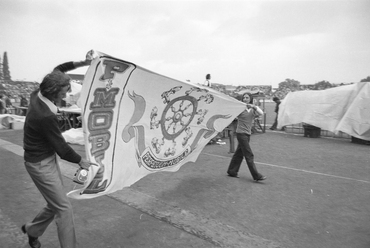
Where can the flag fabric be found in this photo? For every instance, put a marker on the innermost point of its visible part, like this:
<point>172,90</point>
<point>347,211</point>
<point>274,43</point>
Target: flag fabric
<point>340,109</point>
<point>137,122</point>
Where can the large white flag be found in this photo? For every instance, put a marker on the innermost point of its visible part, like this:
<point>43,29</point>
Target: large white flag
<point>138,122</point>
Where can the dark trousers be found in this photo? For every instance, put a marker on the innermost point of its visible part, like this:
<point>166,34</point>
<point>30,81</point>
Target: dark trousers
<point>243,151</point>
<point>274,126</point>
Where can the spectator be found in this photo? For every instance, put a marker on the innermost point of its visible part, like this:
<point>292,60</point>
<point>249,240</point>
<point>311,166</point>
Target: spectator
<point>277,101</point>
<point>2,105</point>
<point>8,103</point>
<point>24,104</point>
<point>208,80</point>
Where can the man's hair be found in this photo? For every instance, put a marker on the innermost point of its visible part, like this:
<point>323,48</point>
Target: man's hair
<point>52,84</point>
<point>275,98</point>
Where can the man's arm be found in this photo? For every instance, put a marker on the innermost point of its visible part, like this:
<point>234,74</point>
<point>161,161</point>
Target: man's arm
<point>68,66</point>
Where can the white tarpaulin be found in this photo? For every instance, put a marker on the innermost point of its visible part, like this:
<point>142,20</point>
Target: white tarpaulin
<point>137,122</point>
<point>10,121</point>
<point>73,96</point>
<point>74,136</point>
<point>344,108</point>
<point>5,120</point>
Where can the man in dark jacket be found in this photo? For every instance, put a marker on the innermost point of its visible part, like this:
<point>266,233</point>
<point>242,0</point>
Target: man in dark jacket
<point>43,141</point>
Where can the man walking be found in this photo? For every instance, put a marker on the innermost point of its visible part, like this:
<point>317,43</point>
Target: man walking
<point>43,141</point>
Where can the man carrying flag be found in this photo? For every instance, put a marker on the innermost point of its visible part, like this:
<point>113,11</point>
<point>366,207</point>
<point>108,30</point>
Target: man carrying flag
<point>42,142</point>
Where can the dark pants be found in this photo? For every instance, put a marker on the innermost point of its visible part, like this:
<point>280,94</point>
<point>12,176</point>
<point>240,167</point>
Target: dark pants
<point>273,127</point>
<point>243,151</point>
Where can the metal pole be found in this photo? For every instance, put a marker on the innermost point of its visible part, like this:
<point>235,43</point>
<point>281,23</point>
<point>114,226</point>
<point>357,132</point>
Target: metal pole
<point>264,115</point>
<point>232,140</point>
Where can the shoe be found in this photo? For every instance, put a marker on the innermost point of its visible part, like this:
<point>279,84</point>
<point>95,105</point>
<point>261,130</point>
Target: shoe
<point>261,178</point>
<point>34,242</point>
<point>233,175</point>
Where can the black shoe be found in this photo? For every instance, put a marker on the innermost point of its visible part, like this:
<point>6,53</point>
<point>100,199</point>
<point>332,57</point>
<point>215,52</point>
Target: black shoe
<point>34,242</point>
<point>233,175</point>
<point>261,178</point>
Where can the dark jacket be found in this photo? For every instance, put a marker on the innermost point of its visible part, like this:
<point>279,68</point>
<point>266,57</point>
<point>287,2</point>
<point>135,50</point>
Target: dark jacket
<point>42,136</point>
<point>277,106</point>
<point>24,102</point>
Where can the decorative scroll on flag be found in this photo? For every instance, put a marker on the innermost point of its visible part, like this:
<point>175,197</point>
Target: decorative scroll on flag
<point>137,122</point>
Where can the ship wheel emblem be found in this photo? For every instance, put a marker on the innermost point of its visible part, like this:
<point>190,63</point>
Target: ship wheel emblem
<point>177,116</point>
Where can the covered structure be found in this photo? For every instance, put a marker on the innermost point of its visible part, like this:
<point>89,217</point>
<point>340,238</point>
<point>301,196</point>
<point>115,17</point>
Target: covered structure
<point>342,109</point>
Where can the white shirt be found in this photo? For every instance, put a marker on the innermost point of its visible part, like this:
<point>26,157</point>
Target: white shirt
<point>53,108</point>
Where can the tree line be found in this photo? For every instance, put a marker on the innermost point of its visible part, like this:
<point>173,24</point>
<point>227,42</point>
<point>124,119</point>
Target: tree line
<point>288,83</point>
<point>296,85</point>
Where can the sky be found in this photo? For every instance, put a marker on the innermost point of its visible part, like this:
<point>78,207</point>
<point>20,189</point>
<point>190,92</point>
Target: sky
<point>237,42</point>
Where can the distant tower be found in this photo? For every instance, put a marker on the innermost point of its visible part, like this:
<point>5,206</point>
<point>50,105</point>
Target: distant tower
<point>5,69</point>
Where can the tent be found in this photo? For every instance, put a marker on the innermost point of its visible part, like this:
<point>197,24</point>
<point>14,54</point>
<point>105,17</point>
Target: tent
<point>341,109</point>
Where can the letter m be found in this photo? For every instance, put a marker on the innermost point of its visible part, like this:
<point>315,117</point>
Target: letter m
<point>104,98</point>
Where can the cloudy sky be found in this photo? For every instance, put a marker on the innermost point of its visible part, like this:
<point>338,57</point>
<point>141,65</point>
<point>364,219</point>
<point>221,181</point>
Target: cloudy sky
<point>237,42</point>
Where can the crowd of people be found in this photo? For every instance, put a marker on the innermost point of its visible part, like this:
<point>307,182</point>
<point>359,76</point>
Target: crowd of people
<point>15,90</point>
<point>6,104</point>
<point>7,107</point>
<point>268,91</point>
